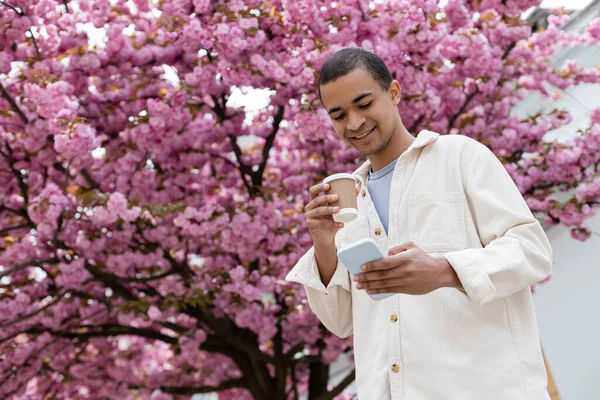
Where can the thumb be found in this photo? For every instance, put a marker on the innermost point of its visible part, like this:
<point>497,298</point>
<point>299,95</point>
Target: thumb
<point>400,248</point>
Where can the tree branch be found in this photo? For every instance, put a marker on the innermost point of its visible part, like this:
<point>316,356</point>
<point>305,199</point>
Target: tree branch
<point>291,352</point>
<point>181,268</point>
<point>20,13</point>
<point>67,175</point>
<point>280,364</point>
<point>17,174</point>
<point>87,296</point>
<point>244,169</point>
<point>228,161</point>
<point>86,175</point>
<point>341,386</point>
<point>508,50</point>
<point>12,103</point>
<point>20,213</point>
<point>55,242</point>
<point>220,110</point>
<point>294,381</point>
<point>147,278</point>
<point>472,95</point>
<point>11,228</point>
<point>87,331</point>
<point>230,384</point>
<point>116,278</point>
<point>18,372</point>
<point>235,346</point>
<point>416,123</point>
<point>256,375</point>
<point>34,313</point>
<point>176,267</point>
<point>215,344</point>
<point>258,177</point>
<point>176,328</point>
<point>35,263</point>
<point>461,110</point>
<point>112,281</point>
<point>35,46</point>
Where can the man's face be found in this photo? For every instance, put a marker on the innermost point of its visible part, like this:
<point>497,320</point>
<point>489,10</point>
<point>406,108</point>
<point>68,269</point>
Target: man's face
<point>363,115</point>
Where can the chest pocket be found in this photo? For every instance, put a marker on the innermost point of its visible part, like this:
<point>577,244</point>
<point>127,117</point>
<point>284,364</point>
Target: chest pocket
<point>436,221</point>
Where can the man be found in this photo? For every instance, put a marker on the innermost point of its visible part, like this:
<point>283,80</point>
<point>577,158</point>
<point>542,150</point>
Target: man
<point>463,249</point>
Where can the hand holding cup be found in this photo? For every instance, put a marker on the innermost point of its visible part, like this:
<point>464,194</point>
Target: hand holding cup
<point>332,203</point>
<point>318,213</point>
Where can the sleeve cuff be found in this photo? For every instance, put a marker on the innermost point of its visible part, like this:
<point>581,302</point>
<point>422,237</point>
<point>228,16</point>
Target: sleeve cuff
<point>306,272</point>
<point>474,277</point>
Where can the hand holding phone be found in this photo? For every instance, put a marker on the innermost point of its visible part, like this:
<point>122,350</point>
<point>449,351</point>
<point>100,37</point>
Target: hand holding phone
<point>358,253</point>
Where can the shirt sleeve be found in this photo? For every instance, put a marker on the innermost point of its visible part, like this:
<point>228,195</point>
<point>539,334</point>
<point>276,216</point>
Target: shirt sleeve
<point>516,252</point>
<point>331,304</point>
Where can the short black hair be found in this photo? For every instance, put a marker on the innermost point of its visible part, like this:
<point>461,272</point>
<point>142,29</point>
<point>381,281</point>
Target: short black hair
<point>344,61</point>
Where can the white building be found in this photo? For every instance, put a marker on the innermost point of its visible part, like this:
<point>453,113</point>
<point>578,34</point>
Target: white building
<point>568,306</point>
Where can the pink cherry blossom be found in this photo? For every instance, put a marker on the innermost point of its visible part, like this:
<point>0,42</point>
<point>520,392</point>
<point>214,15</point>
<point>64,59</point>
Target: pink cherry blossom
<point>148,218</point>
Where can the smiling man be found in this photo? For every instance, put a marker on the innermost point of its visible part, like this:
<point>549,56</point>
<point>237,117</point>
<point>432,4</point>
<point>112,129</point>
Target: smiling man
<point>463,249</point>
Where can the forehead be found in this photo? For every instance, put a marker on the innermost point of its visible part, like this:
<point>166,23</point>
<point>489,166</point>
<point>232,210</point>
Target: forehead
<point>343,90</point>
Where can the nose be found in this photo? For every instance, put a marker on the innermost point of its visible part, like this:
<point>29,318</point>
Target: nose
<point>355,121</point>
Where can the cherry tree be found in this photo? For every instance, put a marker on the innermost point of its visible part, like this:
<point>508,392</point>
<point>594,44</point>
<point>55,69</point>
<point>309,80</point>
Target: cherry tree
<point>148,217</point>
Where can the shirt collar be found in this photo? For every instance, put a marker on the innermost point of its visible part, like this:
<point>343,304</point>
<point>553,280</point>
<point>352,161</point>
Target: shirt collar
<point>423,139</point>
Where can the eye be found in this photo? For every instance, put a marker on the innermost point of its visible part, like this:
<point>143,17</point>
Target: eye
<point>366,105</point>
<point>339,117</point>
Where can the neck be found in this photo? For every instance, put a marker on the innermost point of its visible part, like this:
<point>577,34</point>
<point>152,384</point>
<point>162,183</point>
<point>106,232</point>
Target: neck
<point>399,142</point>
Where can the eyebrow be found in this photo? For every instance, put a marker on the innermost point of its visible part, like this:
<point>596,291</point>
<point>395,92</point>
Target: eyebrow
<point>356,100</point>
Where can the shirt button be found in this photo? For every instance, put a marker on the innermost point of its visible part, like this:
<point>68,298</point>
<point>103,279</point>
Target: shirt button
<point>395,368</point>
<point>378,231</point>
<point>363,193</point>
<point>394,317</point>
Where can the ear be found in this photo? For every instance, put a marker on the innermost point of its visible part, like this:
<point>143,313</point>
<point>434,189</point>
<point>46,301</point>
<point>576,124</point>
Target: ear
<point>395,92</point>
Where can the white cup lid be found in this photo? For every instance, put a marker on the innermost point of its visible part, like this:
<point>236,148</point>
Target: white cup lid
<point>341,175</point>
<point>346,215</point>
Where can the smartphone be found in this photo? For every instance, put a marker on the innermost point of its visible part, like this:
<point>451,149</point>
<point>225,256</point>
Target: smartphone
<point>358,253</point>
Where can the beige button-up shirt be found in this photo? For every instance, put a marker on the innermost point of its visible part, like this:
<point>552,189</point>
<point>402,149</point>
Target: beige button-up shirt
<point>452,197</point>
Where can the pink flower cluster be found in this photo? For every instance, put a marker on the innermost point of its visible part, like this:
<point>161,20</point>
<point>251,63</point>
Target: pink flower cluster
<point>115,208</point>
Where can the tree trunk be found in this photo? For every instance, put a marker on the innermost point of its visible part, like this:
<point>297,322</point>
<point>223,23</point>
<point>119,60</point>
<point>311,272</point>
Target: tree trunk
<point>318,379</point>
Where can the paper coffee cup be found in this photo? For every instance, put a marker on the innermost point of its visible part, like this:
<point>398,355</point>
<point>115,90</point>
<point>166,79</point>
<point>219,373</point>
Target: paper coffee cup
<point>344,185</point>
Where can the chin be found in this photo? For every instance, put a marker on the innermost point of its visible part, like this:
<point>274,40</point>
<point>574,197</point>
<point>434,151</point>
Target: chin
<point>366,152</point>
<point>370,150</point>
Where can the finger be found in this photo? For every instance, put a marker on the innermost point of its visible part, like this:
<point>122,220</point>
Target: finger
<point>321,212</point>
<point>316,189</point>
<point>393,289</point>
<point>381,264</point>
<point>401,247</point>
<point>382,284</point>
<point>333,225</point>
<point>324,223</point>
<point>321,201</point>
<point>377,275</point>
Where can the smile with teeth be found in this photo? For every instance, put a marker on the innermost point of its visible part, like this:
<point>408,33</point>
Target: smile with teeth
<point>364,134</point>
